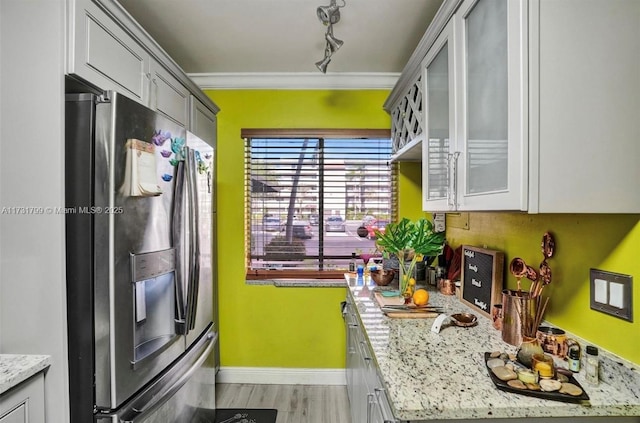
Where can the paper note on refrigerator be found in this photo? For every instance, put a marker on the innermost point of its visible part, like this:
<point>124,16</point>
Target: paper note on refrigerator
<point>140,175</point>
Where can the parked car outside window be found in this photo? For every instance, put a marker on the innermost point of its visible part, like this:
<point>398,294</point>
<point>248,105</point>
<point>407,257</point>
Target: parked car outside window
<point>301,229</point>
<point>335,224</point>
<point>271,224</point>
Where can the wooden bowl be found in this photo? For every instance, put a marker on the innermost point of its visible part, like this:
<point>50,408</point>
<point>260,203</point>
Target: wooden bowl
<point>383,277</point>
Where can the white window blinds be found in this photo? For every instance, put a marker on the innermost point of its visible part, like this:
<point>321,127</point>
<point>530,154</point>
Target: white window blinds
<point>311,201</point>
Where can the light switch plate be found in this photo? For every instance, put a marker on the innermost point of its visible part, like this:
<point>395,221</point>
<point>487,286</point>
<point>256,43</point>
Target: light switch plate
<point>612,293</point>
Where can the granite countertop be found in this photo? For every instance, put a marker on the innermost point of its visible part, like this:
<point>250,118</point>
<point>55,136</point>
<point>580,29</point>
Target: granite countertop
<point>16,368</point>
<point>433,376</point>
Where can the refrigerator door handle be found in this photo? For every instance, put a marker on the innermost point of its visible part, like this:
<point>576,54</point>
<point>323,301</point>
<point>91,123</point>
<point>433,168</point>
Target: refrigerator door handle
<point>156,395</point>
<point>177,234</point>
<point>194,236</point>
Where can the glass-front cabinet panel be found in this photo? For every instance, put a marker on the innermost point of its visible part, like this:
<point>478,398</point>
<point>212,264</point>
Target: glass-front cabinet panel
<point>486,94</point>
<point>492,168</point>
<point>439,122</point>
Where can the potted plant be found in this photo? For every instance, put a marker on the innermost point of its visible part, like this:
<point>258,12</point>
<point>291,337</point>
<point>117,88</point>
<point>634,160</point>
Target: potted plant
<point>409,242</point>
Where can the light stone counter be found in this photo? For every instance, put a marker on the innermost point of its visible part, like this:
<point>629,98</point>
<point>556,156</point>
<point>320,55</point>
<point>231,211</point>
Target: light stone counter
<point>16,368</point>
<point>442,376</point>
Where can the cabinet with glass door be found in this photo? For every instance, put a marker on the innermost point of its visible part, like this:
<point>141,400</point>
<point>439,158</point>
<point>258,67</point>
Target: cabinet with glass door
<point>475,156</point>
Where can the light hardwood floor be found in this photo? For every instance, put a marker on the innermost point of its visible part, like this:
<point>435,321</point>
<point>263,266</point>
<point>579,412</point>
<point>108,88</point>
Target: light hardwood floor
<point>295,403</point>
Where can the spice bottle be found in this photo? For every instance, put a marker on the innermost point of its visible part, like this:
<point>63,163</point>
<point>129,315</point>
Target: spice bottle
<point>573,357</point>
<point>592,365</point>
<point>352,263</point>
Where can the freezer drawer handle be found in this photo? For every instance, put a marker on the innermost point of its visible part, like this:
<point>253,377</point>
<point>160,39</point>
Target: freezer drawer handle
<point>138,411</point>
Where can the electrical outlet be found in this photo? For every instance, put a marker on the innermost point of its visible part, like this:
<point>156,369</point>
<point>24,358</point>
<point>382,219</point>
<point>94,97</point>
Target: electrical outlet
<point>611,293</point>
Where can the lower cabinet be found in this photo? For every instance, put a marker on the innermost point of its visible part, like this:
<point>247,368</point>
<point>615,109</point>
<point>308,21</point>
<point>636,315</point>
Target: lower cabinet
<point>24,403</point>
<point>367,397</point>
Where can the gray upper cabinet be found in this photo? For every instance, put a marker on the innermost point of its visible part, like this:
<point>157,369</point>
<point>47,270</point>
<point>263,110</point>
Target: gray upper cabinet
<point>102,53</point>
<point>109,50</point>
<point>168,96</point>
<point>542,110</point>
<point>203,122</point>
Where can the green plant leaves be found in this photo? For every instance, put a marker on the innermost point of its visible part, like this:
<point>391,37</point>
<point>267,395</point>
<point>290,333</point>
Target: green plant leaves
<point>418,236</point>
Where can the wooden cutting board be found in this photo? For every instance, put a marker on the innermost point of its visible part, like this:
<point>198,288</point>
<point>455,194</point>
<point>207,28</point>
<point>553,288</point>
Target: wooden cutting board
<point>386,301</point>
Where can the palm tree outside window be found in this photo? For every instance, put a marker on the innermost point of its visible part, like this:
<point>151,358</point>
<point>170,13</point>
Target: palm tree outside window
<point>306,194</point>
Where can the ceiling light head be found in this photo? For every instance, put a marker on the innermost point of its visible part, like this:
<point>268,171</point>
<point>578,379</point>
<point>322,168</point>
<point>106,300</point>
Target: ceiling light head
<point>333,43</point>
<point>329,15</point>
<point>322,64</point>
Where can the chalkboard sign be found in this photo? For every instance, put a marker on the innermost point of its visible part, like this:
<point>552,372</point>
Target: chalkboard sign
<point>482,272</point>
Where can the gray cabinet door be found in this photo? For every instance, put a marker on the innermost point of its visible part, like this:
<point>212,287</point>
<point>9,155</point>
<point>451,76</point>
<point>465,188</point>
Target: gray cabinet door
<point>102,53</point>
<point>24,403</point>
<point>203,122</point>
<point>168,96</point>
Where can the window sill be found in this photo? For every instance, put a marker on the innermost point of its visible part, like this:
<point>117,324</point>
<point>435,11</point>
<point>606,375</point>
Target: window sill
<point>299,282</point>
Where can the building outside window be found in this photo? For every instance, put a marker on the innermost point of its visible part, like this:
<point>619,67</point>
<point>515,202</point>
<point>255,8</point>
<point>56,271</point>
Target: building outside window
<point>313,198</point>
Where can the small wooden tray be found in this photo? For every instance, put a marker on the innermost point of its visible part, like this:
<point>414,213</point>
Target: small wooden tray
<point>554,396</point>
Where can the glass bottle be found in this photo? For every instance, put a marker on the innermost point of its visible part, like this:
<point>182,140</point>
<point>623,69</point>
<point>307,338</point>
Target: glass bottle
<point>591,365</point>
<point>573,357</point>
<point>352,263</point>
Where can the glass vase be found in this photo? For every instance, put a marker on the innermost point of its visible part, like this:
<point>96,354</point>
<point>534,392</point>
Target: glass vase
<point>407,261</point>
<point>528,348</point>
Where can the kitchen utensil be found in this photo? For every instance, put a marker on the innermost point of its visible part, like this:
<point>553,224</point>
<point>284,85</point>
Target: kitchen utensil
<point>520,269</point>
<point>548,245</point>
<point>496,315</point>
<point>410,310</point>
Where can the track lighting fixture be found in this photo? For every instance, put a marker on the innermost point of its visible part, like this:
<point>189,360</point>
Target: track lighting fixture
<point>329,15</point>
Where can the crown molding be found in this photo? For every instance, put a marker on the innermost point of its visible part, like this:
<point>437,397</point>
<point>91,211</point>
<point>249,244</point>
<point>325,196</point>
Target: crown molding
<point>296,80</point>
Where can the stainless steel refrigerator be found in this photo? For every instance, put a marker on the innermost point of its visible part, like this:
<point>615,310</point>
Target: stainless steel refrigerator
<point>141,292</point>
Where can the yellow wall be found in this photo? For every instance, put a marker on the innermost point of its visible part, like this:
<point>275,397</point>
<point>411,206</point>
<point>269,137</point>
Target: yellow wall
<point>301,327</point>
<point>264,326</point>
<point>583,241</point>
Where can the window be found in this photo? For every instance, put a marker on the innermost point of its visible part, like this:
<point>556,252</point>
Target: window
<point>313,198</point>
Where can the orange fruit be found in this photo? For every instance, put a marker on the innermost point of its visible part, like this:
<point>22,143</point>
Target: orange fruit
<point>420,297</point>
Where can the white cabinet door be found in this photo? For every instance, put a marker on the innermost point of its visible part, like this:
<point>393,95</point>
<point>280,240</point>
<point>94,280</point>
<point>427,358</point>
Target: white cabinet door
<point>585,126</point>
<point>24,403</point>
<point>439,104</point>
<point>492,166</point>
<point>168,96</point>
<point>102,53</point>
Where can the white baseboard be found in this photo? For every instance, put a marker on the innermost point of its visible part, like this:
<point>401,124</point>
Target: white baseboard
<point>282,376</point>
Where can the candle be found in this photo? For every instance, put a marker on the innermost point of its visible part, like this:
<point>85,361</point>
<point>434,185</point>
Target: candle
<point>543,364</point>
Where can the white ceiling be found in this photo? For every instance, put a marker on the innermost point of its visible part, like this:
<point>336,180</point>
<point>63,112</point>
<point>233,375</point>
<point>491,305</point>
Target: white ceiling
<point>283,36</point>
